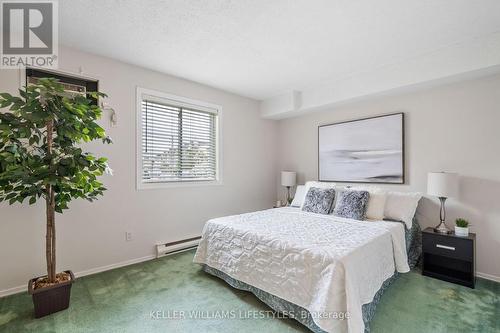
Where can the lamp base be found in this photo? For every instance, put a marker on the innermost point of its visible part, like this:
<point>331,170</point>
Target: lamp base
<point>288,198</point>
<point>442,228</point>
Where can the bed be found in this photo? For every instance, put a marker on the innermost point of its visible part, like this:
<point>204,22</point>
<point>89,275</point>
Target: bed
<point>325,271</point>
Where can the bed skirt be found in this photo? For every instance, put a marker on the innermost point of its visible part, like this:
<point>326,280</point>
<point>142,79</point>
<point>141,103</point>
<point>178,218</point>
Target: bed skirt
<point>414,250</point>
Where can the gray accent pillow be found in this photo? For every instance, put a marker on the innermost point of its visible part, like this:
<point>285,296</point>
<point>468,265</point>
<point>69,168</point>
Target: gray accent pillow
<point>352,204</point>
<point>319,200</point>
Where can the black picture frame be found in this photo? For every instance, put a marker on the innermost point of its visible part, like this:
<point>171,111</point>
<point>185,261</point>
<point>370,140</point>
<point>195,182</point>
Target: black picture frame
<point>403,163</point>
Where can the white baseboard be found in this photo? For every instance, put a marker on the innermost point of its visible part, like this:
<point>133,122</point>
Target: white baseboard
<point>488,276</point>
<point>113,266</point>
<point>18,289</point>
<point>15,290</point>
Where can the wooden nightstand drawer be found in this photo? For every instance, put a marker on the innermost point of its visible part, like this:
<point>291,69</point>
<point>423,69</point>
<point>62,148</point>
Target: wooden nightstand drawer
<point>451,247</point>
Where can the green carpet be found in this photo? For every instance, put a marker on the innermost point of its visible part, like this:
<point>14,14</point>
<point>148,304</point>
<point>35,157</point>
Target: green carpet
<point>122,300</point>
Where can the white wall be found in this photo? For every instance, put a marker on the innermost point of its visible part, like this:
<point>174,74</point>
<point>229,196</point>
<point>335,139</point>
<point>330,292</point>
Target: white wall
<point>448,128</point>
<point>91,235</point>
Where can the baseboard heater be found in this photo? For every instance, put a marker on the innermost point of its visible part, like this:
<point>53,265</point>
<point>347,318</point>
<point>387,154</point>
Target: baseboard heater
<point>178,246</point>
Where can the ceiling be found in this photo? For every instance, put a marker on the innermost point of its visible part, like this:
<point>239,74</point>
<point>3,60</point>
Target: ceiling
<point>261,48</point>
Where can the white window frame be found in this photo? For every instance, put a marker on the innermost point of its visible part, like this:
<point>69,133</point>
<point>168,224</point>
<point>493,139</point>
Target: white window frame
<point>163,97</point>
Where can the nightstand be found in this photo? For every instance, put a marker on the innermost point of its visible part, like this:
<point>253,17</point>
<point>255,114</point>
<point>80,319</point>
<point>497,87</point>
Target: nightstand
<point>448,257</point>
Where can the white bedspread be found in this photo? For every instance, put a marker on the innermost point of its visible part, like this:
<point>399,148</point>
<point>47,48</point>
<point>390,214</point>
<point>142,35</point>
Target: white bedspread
<point>322,263</point>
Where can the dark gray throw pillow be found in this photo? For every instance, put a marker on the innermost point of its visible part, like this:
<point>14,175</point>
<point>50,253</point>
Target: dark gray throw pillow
<point>319,200</point>
<point>352,204</point>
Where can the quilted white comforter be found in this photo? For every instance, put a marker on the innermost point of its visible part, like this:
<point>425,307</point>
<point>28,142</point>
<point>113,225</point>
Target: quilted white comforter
<point>325,264</point>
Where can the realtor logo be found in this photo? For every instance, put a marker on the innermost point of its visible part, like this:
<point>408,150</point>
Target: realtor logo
<point>29,34</point>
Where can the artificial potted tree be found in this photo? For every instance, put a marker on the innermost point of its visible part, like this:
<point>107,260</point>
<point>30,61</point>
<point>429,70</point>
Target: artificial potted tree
<point>40,159</point>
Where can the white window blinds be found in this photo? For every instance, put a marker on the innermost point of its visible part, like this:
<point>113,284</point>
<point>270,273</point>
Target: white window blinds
<point>179,143</point>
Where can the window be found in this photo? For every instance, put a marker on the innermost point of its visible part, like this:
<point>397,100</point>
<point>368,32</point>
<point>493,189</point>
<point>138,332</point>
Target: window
<point>178,140</point>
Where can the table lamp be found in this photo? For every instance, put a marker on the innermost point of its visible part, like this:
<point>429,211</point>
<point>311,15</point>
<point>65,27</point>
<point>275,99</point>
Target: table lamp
<point>288,179</point>
<point>442,185</point>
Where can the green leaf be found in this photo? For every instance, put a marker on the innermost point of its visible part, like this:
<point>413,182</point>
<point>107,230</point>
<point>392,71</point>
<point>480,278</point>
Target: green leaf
<point>6,96</point>
<point>23,93</point>
<point>10,196</point>
<point>4,103</point>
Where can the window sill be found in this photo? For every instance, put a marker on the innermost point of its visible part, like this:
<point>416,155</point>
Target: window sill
<point>156,186</point>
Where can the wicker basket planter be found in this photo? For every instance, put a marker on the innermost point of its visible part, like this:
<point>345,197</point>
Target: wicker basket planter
<point>51,299</point>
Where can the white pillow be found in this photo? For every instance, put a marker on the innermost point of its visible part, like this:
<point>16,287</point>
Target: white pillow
<point>338,189</point>
<point>401,206</point>
<point>300,194</point>
<point>376,202</point>
<point>316,184</point>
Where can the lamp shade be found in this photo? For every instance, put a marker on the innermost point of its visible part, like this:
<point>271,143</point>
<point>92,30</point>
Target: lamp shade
<point>288,178</point>
<point>442,184</point>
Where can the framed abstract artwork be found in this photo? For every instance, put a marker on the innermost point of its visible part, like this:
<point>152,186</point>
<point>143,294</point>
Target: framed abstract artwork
<point>369,150</point>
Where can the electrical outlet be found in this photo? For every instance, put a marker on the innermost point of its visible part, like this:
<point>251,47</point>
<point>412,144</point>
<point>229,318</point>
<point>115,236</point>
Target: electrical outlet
<point>128,236</point>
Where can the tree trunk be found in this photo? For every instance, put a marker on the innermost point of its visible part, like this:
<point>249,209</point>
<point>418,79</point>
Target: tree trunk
<point>50,238</point>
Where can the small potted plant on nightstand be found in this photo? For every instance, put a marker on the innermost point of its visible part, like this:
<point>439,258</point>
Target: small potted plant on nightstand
<point>462,227</point>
